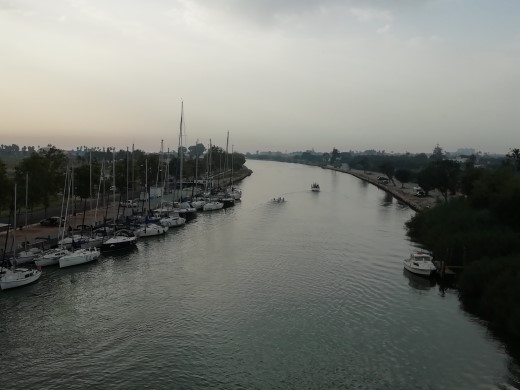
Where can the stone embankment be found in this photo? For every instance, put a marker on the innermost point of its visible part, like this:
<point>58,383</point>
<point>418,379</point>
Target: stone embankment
<point>404,194</point>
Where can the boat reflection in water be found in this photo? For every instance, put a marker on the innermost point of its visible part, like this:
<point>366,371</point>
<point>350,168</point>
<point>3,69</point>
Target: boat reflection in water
<point>419,282</point>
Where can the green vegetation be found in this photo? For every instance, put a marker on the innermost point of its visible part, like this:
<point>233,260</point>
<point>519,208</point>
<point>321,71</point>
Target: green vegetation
<point>477,227</point>
<point>479,231</point>
<point>45,171</point>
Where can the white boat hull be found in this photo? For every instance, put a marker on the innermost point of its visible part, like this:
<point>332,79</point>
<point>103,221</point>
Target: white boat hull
<point>81,256</point>
<point>51,258</point>
<point>420,263</point>
<point>172,221</point>
<point>211,206</point>
<point>18,277</point>
<point>418,271</point>
<point>151,230</point>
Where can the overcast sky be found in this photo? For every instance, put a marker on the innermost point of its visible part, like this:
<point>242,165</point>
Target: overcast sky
<point>399,75</point>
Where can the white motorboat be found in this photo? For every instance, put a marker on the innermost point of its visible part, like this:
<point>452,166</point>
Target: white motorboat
<point>213,205</point>
<point>198,204</point>
<point>17,277</point>
<point>80,256</point>
<point>51,257</point>
<point>236,193</point>
<point>420,263</point>
<point>150,230</point>
<point>315,187</point>
<point>172,221</point>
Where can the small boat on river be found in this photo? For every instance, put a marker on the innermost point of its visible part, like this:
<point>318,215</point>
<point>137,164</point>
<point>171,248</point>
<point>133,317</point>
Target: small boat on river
<point>315,187</point>
<point>420,263</point>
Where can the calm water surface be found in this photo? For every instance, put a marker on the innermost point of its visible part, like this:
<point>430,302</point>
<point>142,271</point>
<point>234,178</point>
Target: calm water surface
<point>308,294</point>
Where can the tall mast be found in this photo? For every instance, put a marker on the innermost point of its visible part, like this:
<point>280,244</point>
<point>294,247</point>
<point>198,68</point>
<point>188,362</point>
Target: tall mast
<point>114,182</point>
<point>127,173</point>
<point>227,145</point>
<point>133,171</point>
<point>90,176</point>
<point>14,231</point>
<point>26,194</point>
<point>231,177</point>
<point>181,155</point>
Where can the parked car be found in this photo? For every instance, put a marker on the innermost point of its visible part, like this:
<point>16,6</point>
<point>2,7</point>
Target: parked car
<point>52,221</point>
<point>383,179</point>
<point>128,203</point>
<point>420,193</point>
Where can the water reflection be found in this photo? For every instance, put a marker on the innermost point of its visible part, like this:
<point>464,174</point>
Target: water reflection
<point>419,282</point>
<point>388,199</point>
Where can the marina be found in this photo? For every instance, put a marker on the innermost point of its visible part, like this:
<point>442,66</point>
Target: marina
<point>255,296</point>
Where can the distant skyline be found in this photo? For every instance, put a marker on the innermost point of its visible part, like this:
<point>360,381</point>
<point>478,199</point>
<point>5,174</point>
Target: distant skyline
<point>279,75</point>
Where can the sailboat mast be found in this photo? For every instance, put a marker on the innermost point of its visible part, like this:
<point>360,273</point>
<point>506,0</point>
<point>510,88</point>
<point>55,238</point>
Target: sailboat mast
<point>181,155</point>
<point>26,194</point>
<point>227,166</point>
<point>90,177</point>
<point>231,177</point>
<point>127,173</point>
<point>14,231</point>
<point>114,182</point>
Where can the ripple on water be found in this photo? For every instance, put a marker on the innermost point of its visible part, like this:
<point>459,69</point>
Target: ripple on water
<point>306,294</point>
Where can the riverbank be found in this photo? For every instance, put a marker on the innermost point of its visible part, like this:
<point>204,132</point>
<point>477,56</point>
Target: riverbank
<point>405,194</point>
<point>35,235</point>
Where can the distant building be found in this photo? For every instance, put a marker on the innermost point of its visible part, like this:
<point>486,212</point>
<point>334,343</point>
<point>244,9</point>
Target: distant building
<point>465,151</point>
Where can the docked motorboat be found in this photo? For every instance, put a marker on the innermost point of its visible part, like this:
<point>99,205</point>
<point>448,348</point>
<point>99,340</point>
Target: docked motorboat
<point>172,221</point>
<point>81,256</point>
<point>51,257</point>
<point>150,230</point>
<point>198,204</point>
<point>420,263</point>
<point>122,240</point>
<point>213,205</point>
<point>315,187</point>
<point>17,277</point>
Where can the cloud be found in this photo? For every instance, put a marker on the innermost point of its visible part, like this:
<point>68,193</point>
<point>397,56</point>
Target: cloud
<point>371,14</point>
<point>385,29</point>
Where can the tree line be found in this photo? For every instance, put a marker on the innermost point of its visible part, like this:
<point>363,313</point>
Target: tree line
<point>479,232</point>
<point>44,172</point>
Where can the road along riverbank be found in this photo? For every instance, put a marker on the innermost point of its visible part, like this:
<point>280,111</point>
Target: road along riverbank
<point>405,194</point>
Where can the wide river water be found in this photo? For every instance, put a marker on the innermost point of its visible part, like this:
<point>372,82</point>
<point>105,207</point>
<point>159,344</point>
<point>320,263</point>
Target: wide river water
<point>306,294</point>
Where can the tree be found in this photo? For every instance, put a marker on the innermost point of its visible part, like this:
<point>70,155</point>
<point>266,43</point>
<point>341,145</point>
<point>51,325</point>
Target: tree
<point>438,154</point>
<point>5,186</point>
<point>403,175</point>
<point>514,157</point>
<point>334,156</point>
<point>388,169</point>
<point>426,179</point>
<point>196,150</point>
<point>446,175</point>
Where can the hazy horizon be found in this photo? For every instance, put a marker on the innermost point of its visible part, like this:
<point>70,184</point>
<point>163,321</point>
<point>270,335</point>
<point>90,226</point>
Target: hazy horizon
<point>278,75</point>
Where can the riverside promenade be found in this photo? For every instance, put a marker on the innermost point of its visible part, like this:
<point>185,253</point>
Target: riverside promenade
<point>404,194</point>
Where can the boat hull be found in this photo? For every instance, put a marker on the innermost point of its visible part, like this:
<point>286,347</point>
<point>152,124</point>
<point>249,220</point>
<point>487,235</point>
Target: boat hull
<point>18,278</point>
<point>112,245</point>
<point>419,271</point>
<point>80,257</point>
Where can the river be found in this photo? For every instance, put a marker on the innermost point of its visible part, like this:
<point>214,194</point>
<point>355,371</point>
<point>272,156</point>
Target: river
<point>305,294</point>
